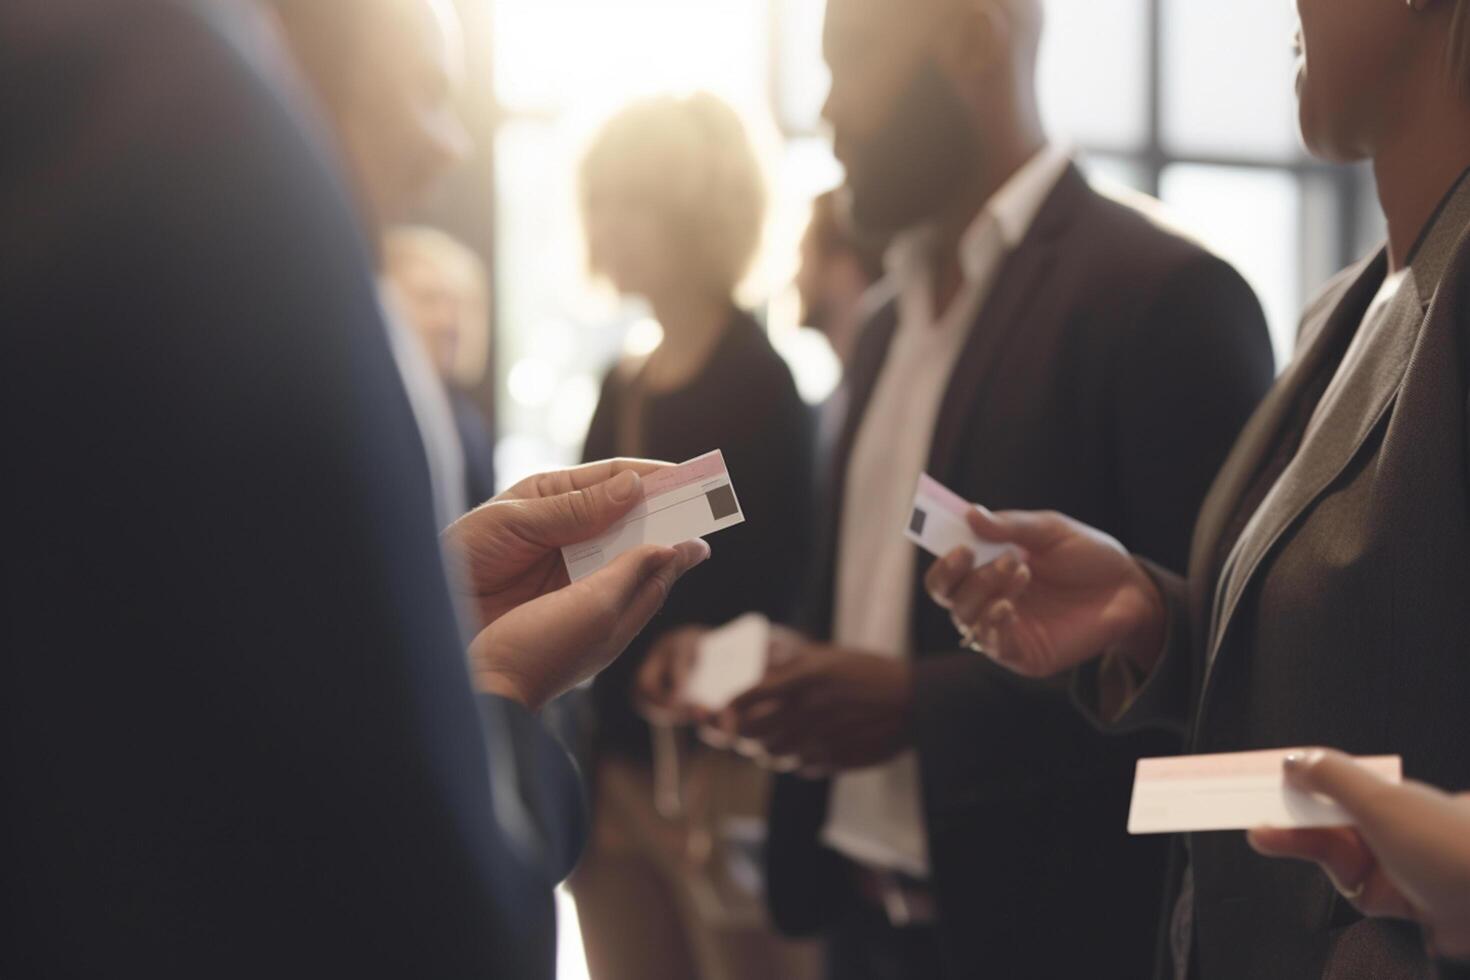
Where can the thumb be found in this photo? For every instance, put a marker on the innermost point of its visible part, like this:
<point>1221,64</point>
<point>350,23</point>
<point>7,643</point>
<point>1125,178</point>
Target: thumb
<point>1332,774</point>
<point>1028,529</point>
<point>576,516</point>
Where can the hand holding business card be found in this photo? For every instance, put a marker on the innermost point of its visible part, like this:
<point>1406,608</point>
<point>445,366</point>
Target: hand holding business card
<point>937,524</point>
<point>679,504</point>
<point>1233,791</point>
<point>729,661</point>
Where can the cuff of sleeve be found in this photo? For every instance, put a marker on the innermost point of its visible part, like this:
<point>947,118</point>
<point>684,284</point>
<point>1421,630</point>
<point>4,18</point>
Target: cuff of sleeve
<point>538,791</point>
<point>1161,700</point>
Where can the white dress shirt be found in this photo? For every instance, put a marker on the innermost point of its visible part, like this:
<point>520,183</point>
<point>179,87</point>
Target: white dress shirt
<point>432,412</point>
<point>875,817</point>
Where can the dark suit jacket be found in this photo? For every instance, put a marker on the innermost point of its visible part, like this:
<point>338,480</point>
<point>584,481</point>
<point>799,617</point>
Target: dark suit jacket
<point>238,736</point>
<point>1107,376</point>
<point>478,442</point>
<point>745,404</point>
<point>1345,617</point>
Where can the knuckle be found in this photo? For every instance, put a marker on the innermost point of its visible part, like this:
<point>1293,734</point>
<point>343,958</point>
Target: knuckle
<point>581,506</point>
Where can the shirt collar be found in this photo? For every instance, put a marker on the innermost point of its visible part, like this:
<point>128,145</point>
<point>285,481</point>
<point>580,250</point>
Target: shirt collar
<point>1010,211</point>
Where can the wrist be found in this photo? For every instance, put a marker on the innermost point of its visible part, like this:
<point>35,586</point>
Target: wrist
<point>504,686</point>
<point>1142,647</point>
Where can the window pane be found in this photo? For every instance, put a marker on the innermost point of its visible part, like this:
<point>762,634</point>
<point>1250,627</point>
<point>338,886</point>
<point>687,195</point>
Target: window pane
<point>1251,217</point>
<point>802,78</point>
<point>1105,171</point>
<point>592,55</point>
<point>555,336</point>
<point>1094,72</point>
<point>1229,78</point>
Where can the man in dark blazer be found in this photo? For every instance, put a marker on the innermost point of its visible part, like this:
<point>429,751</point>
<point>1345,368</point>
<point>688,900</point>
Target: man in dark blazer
<point>1102,365</point>
<point>239,737</point>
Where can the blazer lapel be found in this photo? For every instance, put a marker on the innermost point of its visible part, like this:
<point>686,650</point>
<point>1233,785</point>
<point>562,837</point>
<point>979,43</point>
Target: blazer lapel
<point>858,385</point>
<point>1016,287</point>
<point>1336,311</point>
<point>1351,409</point>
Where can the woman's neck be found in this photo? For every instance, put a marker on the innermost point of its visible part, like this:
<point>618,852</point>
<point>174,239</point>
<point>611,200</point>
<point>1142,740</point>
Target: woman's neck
<point>1418,164</point>
<point>693,322</point>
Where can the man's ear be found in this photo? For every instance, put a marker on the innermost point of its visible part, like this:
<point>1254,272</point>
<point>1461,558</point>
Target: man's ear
<point>976,38</point>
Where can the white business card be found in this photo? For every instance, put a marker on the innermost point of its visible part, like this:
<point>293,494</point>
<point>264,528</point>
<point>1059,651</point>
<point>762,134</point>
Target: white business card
<point>679,504</point>
<point>937,524</point>
<point>1233,791</point>
<point>730,661</point>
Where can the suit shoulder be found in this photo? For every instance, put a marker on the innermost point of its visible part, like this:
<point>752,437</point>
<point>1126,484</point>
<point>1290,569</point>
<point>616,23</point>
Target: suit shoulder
<point>751,358</point>
<point>1139,233</point>
<point>1142,279</point>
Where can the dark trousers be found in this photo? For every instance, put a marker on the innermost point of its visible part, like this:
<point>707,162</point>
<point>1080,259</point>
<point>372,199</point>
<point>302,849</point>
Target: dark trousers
<point>863,945</point>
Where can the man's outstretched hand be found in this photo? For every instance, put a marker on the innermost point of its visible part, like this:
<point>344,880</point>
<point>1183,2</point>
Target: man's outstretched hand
<point>539,633</point>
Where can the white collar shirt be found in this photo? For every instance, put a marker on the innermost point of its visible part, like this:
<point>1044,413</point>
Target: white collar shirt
<point>875,815</point>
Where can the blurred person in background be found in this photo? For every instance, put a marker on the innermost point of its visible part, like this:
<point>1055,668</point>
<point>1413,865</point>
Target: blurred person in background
<point>445,295</point>
<point>1046,344</point>
<point>1325,601</point>
<point>836,283</point>
<point>240,736</point>
<point>839,267</point>
<point>674,202</point>
<point>386,72</point>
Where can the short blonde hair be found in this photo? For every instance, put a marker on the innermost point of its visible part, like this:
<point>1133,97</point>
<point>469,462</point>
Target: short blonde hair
<point>692,160</point>
<point>408,245</point>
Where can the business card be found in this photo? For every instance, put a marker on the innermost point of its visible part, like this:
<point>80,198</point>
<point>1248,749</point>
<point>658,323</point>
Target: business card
<point>679,504</point>
<point>1233,791</point>
<point>937,524</point>
<point>730,661</point>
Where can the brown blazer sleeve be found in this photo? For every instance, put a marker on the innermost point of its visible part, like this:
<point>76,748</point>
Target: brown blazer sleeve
<point>1164,698</point>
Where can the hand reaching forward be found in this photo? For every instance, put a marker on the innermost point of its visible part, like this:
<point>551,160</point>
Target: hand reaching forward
<point>1408,857</point>
<point>1073,595</point>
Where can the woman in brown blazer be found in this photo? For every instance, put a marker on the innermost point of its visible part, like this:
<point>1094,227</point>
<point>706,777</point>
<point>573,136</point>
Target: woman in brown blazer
<point>1328,594</point>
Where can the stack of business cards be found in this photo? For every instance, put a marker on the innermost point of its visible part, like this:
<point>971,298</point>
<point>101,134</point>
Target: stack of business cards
<point>937,524</point>
<point>731,660</point>
<point>679,504</point>
<point>1233,791</point>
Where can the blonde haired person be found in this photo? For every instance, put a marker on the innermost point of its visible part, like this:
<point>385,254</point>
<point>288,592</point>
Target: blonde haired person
<point>1325,601</point>
<point>444,294</point>
<point>673,201</point>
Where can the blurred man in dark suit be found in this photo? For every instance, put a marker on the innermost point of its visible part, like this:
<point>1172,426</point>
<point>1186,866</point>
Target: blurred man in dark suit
<point>1046,345</point>
<point>385,73</point>
<point>240,740</point>
<point>839,267</point>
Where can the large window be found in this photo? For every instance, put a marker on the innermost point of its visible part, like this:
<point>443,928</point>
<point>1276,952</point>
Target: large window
<point>1190,101</point>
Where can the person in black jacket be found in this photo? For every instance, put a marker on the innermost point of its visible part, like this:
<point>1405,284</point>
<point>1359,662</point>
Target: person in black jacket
<point>674,206</point>
<point>1047,344</point>
<point>239,736</point>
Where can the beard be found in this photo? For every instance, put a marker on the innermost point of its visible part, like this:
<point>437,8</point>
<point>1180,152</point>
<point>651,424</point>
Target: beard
<point>928,148</point>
